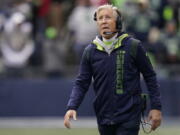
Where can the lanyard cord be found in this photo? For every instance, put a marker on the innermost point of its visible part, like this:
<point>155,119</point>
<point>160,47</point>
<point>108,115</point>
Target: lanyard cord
<point>143,122</point>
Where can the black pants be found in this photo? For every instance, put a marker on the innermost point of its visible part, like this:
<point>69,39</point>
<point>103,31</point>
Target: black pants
<point>128,128</point>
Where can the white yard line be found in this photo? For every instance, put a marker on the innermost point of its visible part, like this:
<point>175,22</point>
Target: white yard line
<point>45,122</point>
<point>57,122</point>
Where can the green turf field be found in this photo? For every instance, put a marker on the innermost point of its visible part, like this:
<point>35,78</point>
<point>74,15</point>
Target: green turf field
<point>75,131</point>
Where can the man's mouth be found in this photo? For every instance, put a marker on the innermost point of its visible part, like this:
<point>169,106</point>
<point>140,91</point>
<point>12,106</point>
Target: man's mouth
<point>105,28</point>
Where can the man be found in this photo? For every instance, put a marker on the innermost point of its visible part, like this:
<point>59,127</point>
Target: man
<point>115,60</point>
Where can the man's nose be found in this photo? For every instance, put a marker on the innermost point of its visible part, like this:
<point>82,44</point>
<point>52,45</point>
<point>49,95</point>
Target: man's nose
<point>104,20</point>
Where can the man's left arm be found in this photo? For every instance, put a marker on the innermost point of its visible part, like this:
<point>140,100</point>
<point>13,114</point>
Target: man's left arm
<point>149,75</point>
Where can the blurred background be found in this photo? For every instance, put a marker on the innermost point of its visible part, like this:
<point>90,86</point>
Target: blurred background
<point>41,43</point>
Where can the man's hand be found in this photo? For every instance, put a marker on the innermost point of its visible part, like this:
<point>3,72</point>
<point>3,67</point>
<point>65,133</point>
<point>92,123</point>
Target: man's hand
<point>155,117</point>
<point>69,114</point>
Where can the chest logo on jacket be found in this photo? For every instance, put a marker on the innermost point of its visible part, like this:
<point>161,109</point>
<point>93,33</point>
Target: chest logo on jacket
<point>119,71</point>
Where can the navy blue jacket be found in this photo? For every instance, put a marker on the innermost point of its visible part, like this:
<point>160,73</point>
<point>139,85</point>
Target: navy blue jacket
<point>116,81</point>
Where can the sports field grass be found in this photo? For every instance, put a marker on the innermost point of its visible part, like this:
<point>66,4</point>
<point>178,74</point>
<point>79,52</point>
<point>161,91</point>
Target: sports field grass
<point>75,131</point>
<point>83,126</point>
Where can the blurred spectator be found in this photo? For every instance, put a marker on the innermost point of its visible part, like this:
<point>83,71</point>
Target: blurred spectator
<point>47,14</point>
<point>142,20</point>
<point>55,50</point>
<point>158,7</point>
<point>154,47</point>
<point>170,11</point>
<point>56,15</point>
<point>82,26</point>
<point>171,42</point>
<point>16,44</point>
<point>40,10</point>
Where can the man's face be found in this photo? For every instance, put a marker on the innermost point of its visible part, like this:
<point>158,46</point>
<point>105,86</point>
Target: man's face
<point>106,22</point>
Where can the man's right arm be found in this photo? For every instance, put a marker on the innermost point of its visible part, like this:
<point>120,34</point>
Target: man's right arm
<point>82,82</point>
<point>80,88</point>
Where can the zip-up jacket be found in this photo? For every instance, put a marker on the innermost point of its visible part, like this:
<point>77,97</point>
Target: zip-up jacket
<point>116,80</point>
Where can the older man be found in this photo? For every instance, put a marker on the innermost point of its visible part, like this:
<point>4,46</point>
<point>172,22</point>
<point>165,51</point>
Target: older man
<point>115,60</point>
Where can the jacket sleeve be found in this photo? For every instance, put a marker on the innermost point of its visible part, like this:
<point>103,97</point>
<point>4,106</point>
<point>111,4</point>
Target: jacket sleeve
<point>145,67</point>
<point>82,82</point>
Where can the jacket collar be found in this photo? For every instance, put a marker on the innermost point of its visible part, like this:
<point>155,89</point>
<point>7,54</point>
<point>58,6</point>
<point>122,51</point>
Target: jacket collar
<point>116,44</point>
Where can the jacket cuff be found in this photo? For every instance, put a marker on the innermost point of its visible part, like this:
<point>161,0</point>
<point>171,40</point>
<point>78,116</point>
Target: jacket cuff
<point>156,107</point>
<point>71,108</point>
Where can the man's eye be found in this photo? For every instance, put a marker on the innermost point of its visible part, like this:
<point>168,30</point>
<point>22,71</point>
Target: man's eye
<point>108,17</point>
<point>104,17</point>
<point>100,18</point>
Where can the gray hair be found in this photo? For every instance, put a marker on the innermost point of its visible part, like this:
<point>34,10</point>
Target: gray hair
<point>108,6</point>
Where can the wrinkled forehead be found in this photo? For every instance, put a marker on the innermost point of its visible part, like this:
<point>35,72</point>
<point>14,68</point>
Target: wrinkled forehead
<point>109,10</point>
